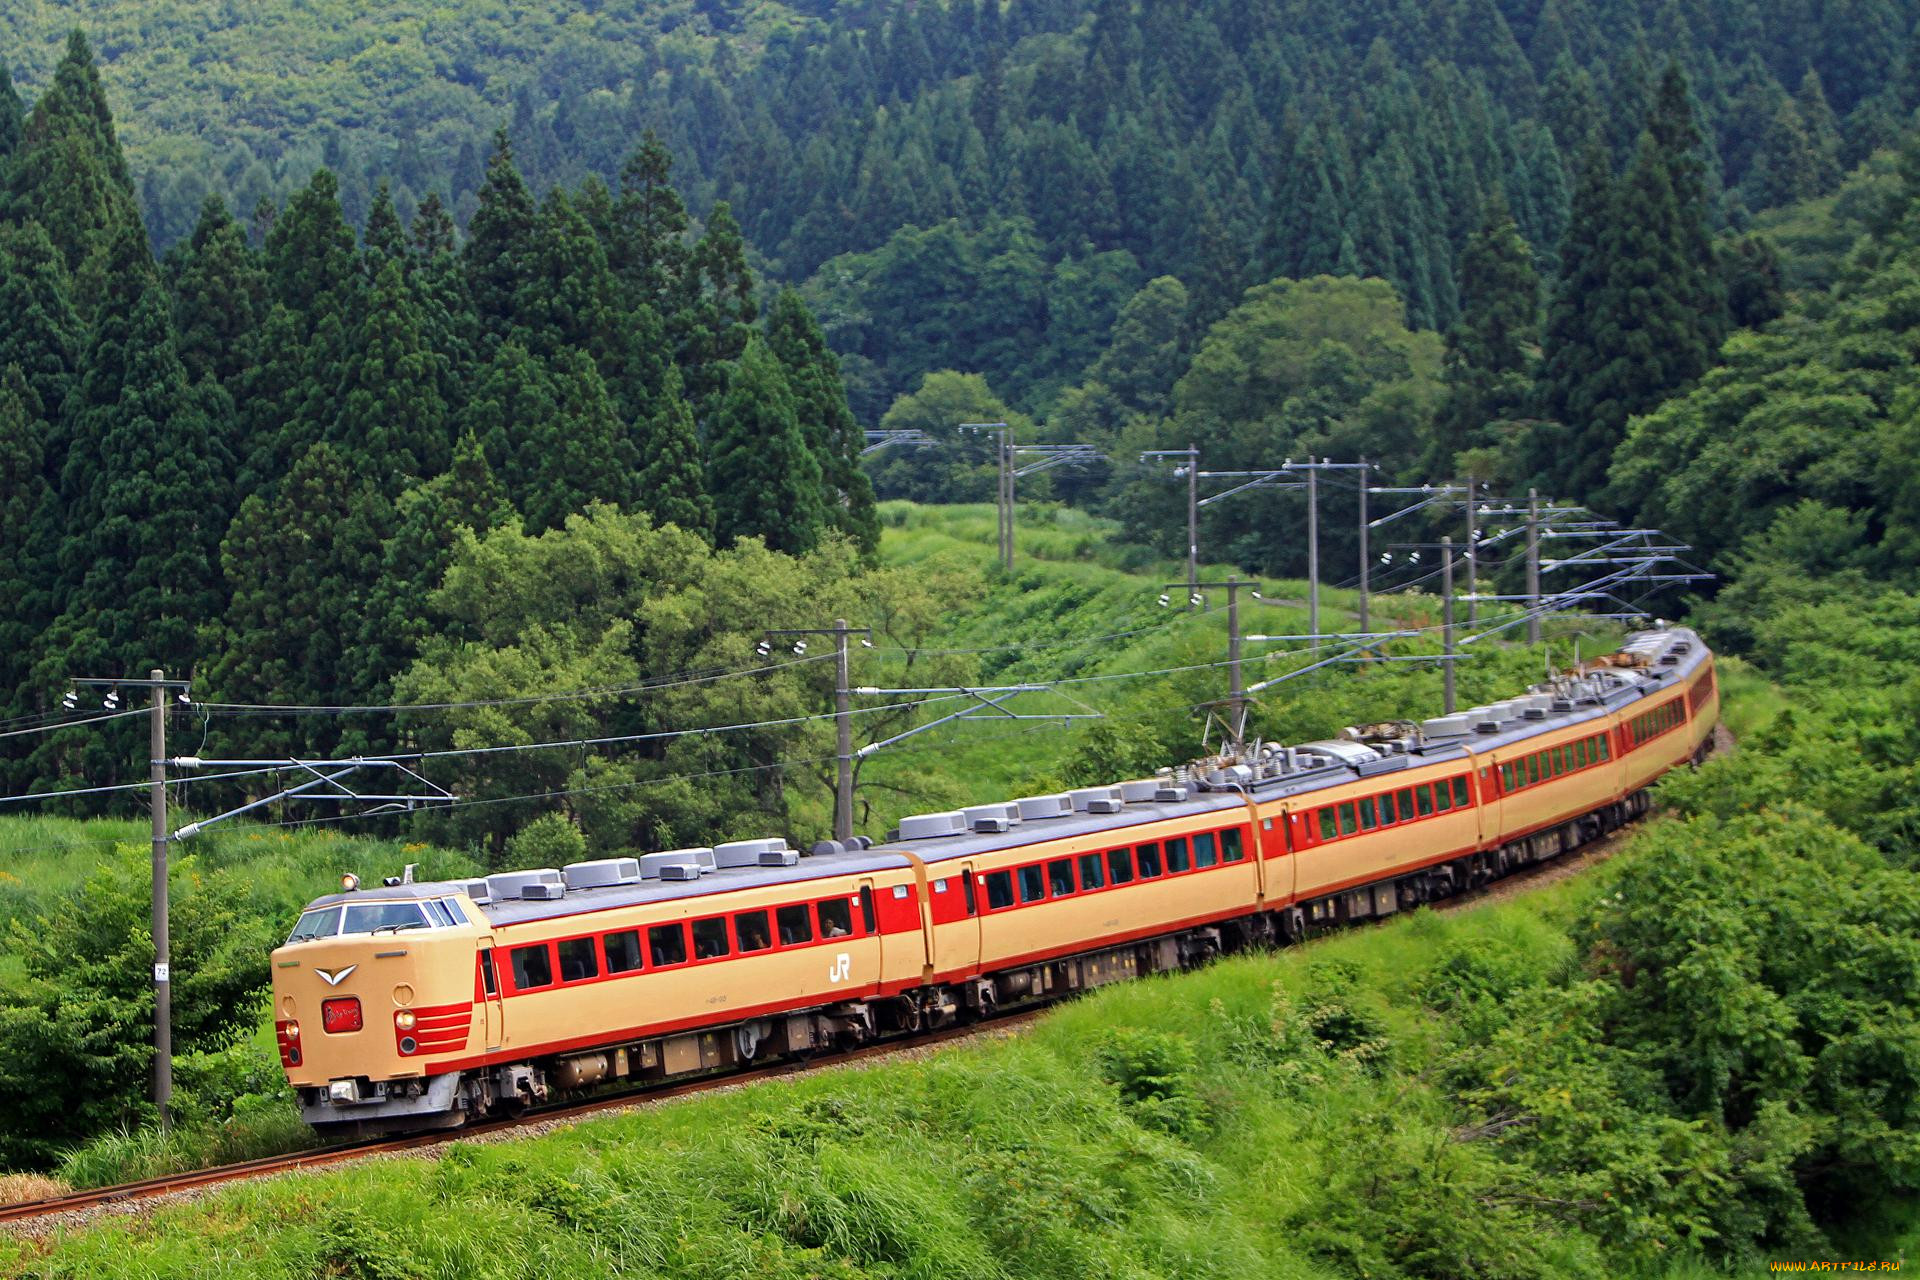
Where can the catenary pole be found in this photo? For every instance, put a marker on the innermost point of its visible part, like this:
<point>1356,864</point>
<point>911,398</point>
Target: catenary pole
<point>1313,547</point>
<point>162,967</point>
<point>1533,566</point>
<point>1446,619</point>
<point>1363,547</point>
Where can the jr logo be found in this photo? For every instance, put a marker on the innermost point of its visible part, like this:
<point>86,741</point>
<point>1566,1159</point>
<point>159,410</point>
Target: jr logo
<point>842,968</point>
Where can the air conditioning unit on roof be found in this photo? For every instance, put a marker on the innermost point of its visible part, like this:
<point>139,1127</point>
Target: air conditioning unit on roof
<point>1039,808</point>
<point>991,817</point>
<point>1095,799</point>
<point>748,853</point>
<point>509,884</point>
<point>653,865</point>
<point>601,874</point>
<point>933,826</point>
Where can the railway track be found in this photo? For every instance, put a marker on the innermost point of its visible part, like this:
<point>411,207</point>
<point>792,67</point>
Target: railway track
<point>1520,881</point>
<point>146,1189</point>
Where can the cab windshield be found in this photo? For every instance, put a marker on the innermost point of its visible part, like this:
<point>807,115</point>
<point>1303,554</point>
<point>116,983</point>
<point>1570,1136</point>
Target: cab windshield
<point>376,917</point>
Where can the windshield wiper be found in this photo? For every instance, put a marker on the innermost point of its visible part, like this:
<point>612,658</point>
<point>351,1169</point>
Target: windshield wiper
<point>395,928</point>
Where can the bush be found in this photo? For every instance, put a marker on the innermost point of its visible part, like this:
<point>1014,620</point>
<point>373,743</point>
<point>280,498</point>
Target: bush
<point>550,840</point>
<point>1154,1071</point>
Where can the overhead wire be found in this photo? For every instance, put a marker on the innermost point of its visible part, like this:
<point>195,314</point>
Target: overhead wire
<point>68,724</point>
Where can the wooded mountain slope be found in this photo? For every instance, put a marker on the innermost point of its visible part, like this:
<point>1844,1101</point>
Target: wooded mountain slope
<point>1224,142</point>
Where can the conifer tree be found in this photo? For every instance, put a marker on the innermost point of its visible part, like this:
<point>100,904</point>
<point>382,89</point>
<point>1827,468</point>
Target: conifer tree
<point>298,565</point>
<point>13,119</point>
<point>820,400</point>
<point>42,337</point>
<point>550,433</point>
<point>1488,365</point>
<point>499,239</point>
<point>141,486</point>
<point>392,421</point>
<point>219,297</point>
<point>26,567</point>
<point>1568,352</point>
<point>650,252</point>
<point>714,324</point>
<point>672,484</point>
<point>427,522</point>
<point>68,174</point>
<point>431,232</point>
<point>764,480</point>
<point>384,236</point>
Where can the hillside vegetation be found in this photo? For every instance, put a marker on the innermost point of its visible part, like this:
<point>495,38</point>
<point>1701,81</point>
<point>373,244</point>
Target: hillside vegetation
<point>1692,1057</point>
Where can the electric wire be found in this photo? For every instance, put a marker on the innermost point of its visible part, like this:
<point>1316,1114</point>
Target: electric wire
<point>66,724</point>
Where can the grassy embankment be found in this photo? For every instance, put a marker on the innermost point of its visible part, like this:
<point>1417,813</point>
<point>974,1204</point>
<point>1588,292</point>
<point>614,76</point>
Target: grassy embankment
<point>1185,1126</point>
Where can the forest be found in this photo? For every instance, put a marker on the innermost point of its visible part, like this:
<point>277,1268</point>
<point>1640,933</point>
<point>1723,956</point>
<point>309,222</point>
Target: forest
<point>979,185</point>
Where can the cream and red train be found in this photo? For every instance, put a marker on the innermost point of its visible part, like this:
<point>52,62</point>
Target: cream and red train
<point>423,1005</point>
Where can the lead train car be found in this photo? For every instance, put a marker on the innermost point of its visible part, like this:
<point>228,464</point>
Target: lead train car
<point>423,1005</point>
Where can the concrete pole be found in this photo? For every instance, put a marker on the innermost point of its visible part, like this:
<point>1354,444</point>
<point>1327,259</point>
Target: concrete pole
<point>1473,576</point>
<point>1446,618</point>
<point>1364,567</point>
<point>1193,523</point>
<point>1313,548</point>
<point>843,726</point>
<point>1533,566</point>
<point>1237,698</point>
<point>162,970</point>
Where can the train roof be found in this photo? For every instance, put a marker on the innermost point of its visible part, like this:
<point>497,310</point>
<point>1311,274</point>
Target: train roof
<point>1649,663</point>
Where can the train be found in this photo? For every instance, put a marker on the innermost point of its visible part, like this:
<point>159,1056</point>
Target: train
<point>412,1006</point>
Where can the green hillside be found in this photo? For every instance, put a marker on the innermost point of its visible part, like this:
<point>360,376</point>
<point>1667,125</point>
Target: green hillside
<point>1492,1092</point>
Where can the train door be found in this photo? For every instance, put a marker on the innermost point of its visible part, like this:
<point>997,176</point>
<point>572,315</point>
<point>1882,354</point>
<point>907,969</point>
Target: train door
<point>493,1011</point>
<point>870,928</point>
<point>959,936</point>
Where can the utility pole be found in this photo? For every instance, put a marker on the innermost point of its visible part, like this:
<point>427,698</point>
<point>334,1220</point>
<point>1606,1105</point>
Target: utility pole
<point>1446,618</point>
<point>1313,546</point>
<point>842,710</point>
<point>162,946</point>
<point>1236,681</point>
<point>1473,577</point>
<point>1006,498</point>
<point>1193,523</point>
<point>1533,566</point>
<point>1363,547</point>
<point>157,799</point>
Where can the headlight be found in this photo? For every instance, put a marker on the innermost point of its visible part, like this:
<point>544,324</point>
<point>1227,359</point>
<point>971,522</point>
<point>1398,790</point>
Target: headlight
<point>349,882</point>
<point>404,1019</point>
<point>293,1031</point>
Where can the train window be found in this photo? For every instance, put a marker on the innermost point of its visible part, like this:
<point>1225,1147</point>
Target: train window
<point>1406,805</point>
<point>623,951</point>
<point>488,983</point>
<point>667,944</point>
<point>1506,776</point>
<point>1606,749</point>
<point>1120,865</point>
<point>1442,798</point>
<point>1348,824</point>
<point>867,919</point>
<point>437,912</point>
<point>1533,768</point>
<point>750,929</point>
<point>1033,883</point>
<point>1230,849</point>
<point>378,917</point>
<point>710,938</point>
<point>966,885</point>
<point>577,960</point>
<point>1369,819</point>
<point>1566,759</point>
<point>1060,877</point>
<point>1206,852</point>
<point>1327,827</point>
<point>323,923</point>
<point>1148,856</point>
<point>836,919</point>
<point>999,890</point>
<point>532,967</point>
<point>1177,859</point>
<point>1387,814</point>
<point>1460,798</point>
<point>795,927</point>
<point>1424,796</point>
<point>1093,871</point>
